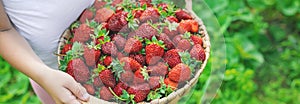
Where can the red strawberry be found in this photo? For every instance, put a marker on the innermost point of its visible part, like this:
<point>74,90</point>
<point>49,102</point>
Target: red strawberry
<point>66,48</point>
<point>100,62</point>
<point>102,15</point>
<point>177,38</point>
<point>117,21</point>
<point>180,73</point>
<point>107,60</point>
<point>139,58</point>
<point>182,15</point>
<point>184,44</point>
<point>137,13</point>
<point>105,94</point>
<point>172,57</point>
<point>89,88</point>
<point>120,55</point>
<point>170,33</point>
<point>119,88</point>
<point>164,6</point>
<point>154,82</point>
<point>130,64</point>
<point>158,70</point>
<point>154,53</point>
<point>172,19</point>
<point>99,39</point>
<point>150,14</point>
<point>126,77</point>
<point>107,78</point>
<point>109,48</point>
<point>133,45</point>
<point>91,56</point>
<point>86,15</point>
<point>197,39</point>
<point>171,83</point>
<point>167,41</point>
<point>146,31</point>
<point>188,26</point>
<point>72,39</point>
<point>120,41</point>
<point>78,70</point>
<point>104,25</point>
<point>97,82</point>
<point>140,76</point>
<point>82,34</point>
<point>119,9</point>
<point>99,4</point>
<point>198,52</point>
<point>154,50</point>
<point>131,34</point>
<point>146,2</point>
<point>140,91</point>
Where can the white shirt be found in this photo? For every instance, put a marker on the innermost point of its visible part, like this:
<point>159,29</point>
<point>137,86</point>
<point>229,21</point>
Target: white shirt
<point>41,22</point>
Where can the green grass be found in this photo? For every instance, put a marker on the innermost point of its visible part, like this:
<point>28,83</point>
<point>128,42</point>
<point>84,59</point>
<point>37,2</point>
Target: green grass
<point>262,54</point>
<point>14,86</point>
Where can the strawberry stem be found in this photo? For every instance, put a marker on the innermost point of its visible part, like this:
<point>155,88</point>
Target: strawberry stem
<point>115,95</point>
<point>128,98</point>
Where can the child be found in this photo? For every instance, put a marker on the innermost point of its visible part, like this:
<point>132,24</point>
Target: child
<point>29,35</point>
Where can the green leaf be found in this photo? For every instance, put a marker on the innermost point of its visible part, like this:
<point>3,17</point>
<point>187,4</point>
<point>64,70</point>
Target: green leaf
<point>288,8</point>
<point>5,74</point>
<point>257,4</point>
<point>153,95</point>
<point>217,5</point>
<point>6,97</point>
<point>21,83</point>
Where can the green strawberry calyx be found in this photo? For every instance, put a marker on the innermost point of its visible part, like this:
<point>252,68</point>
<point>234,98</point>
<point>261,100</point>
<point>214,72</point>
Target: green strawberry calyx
<point>155,41</point>
<point>171,25</point>
<point>132,22</point>
<point>100,68</point>
<point>144,72</point>
<point>75,25</point>
<point>117,68</point>
<point>187,35</point>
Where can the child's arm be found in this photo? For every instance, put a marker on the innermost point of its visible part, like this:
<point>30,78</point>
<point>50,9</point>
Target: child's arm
<point>16,50</point>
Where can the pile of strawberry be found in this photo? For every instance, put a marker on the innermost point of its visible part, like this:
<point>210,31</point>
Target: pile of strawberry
<point>131,52</point>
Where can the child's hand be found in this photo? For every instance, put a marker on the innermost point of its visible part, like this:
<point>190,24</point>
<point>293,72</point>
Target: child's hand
<point>63,88</point>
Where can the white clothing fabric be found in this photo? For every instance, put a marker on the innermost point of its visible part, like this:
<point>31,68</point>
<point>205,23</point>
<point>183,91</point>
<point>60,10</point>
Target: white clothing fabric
<point>42,22</point>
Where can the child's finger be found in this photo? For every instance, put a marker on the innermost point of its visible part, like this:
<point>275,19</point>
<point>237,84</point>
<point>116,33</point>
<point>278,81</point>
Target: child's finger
<point>79,91</point>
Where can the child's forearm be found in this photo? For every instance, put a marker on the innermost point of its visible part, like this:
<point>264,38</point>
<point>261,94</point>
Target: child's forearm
<point>16,50</point>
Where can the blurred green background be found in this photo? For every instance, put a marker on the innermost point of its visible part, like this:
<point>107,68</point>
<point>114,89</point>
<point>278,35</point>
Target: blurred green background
<point>262,55</point>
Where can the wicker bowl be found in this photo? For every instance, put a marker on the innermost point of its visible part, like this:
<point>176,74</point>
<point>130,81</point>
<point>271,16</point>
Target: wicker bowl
<point>175,96</point>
